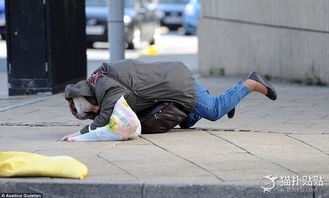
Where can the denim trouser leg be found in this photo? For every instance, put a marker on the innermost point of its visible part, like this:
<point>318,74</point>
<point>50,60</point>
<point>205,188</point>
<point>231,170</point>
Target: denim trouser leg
<point>214,107</point>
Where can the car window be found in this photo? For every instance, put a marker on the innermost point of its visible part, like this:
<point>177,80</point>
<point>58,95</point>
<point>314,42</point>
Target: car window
<point>129,3</point>
<point>96,3</point>
<point>174,1</point>
<point>101,3</point>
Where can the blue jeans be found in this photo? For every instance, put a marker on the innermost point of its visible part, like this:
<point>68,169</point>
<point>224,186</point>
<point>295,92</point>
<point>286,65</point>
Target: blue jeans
<point>214,107</point>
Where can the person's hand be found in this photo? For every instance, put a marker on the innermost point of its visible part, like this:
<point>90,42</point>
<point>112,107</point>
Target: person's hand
<point>70,137</point>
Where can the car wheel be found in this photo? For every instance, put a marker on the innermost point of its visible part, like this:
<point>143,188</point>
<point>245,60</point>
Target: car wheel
<point>136,39</point>
<point>156,36</point>
<point>152,42</point>
<point>90,44</point>
<point>188,33</point>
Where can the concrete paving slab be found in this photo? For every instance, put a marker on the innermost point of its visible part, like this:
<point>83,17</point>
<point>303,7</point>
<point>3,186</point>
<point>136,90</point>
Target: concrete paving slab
<point>215,155</point>
<point>99,169</point>
<point>280,149</point>
<point>51,112</point>
<point>12,102</point>
<point>147,162</point>
<point>318,141</point>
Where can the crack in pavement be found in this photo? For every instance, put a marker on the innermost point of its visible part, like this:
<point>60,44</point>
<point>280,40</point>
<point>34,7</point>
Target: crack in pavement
<point>115,165</point>
<point>254,131</point>
<point>55,124</point>
<point>310,145</point>
<point>277,164</point>
<point>187,160</point>
<point>39,124</point>
<point>324,117</point>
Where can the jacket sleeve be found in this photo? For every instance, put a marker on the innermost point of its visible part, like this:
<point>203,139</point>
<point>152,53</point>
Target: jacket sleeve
<point>107,105</point>
<point>100,68</point>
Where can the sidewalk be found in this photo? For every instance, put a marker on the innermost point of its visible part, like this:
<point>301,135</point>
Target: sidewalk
<point>227,158</point>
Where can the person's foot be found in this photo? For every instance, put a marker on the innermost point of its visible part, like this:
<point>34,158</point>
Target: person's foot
<point>231,113</point>
<point>270,91</point>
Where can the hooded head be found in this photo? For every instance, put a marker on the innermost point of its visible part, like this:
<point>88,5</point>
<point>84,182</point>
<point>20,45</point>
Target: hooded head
<point>81,100</point>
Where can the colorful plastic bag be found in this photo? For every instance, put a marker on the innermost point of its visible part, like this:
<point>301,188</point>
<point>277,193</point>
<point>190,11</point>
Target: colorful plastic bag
<point>124,124</point>
<point>23,164</point>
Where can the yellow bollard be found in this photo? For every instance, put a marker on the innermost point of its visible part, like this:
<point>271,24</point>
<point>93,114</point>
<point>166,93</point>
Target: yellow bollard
<point>151,50</point>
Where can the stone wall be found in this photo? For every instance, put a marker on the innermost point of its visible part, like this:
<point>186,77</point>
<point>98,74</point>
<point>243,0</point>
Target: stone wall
<point>287,39</point>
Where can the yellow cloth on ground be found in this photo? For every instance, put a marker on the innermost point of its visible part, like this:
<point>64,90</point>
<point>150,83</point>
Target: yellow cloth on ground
<point>23,164</point>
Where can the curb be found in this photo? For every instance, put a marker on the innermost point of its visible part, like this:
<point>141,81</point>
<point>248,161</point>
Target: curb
<point>77,188</point>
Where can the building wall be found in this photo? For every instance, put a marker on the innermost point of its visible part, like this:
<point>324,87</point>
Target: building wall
<point>286,39</point>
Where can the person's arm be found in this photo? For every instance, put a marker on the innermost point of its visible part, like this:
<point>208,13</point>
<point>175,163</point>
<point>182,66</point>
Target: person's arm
<point>103,118</point>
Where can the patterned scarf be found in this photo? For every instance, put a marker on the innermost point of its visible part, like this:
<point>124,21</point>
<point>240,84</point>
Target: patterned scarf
<point>92,79</point>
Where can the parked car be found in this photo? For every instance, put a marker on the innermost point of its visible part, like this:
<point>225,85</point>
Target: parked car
<point>2,19</point>
<point>191,16</point>
<point>171,13</point>
<point>140,18</point>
